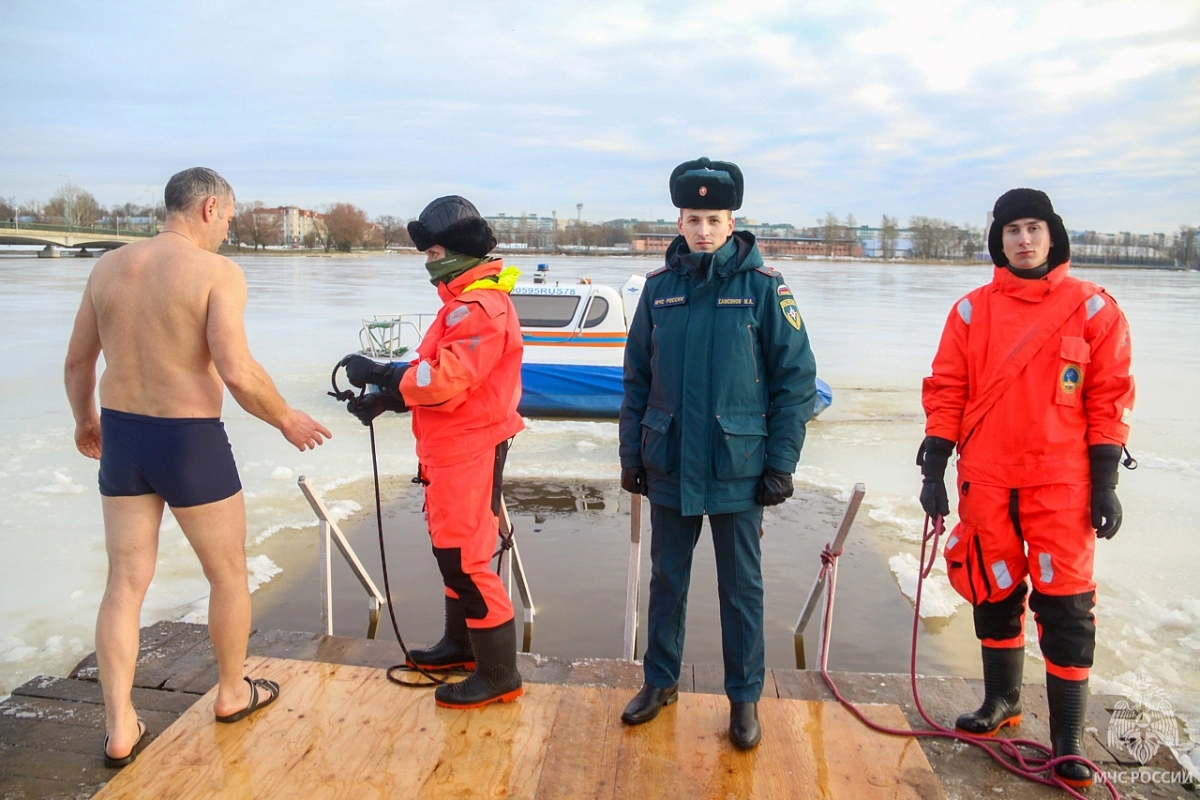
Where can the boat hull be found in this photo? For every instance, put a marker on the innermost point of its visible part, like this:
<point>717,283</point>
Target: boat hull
<point>575,390</point>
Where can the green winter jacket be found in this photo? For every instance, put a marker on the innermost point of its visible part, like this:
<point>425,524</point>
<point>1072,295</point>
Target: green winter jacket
<point>719,379</point>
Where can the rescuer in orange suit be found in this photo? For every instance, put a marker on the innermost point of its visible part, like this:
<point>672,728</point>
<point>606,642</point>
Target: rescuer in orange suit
<point>1031,383</point>
<point>463,389</point>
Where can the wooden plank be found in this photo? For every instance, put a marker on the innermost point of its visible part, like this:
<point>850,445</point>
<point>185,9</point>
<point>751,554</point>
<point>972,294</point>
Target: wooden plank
<point>707,678</point>
<point>854,762</point>
<point>581,756</point>
<point>158,647</point>
<point>90,692</point>
<point>343,731</point>
<point>23,788</point>
<point>34,710</point>
<point>61,766</point>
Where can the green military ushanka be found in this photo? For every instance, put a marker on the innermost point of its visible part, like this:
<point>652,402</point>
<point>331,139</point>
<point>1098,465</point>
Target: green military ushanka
<point>719,378</point>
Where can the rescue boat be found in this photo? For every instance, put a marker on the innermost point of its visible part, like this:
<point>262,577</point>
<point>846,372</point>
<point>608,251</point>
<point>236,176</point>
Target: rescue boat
<point>574,336</point>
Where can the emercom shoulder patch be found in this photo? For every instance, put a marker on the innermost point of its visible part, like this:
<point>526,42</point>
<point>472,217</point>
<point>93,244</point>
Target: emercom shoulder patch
<point>791,312</point>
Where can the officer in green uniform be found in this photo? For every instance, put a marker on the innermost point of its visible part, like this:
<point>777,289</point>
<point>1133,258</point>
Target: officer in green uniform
<point>719,384</point>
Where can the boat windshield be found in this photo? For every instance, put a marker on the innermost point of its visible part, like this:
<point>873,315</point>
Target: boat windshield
<point>545,311</point>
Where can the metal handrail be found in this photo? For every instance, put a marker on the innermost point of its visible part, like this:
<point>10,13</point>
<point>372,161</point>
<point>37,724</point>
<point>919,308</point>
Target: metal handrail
<point>510,564</point>
<point>329,530</point>
<point>634,580</point>
<point>388,345</point>
<point>814,594</point>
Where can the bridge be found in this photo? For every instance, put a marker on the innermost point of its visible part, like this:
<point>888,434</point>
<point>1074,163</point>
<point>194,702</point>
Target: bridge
<point>67,236</point>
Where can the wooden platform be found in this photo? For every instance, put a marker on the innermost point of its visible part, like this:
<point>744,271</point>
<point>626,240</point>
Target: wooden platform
<point>341,731</point>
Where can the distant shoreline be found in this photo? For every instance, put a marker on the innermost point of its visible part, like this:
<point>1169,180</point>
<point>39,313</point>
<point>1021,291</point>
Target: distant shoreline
<point>227,250</point>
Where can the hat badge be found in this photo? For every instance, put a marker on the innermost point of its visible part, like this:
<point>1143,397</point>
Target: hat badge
<point>703,191</point>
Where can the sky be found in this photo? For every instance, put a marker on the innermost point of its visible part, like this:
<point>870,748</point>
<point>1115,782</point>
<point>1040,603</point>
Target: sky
<point>828,106</point>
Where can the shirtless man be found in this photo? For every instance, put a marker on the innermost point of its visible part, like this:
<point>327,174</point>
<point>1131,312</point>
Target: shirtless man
<point>167,314</point>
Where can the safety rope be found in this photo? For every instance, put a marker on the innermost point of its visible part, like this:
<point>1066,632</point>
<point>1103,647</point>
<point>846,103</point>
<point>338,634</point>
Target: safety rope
<point>1006,752</point>
<point>347,395</point>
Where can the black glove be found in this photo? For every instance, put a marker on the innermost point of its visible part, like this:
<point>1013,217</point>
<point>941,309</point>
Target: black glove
<point>932,459</point>
<point>371,405</point>
<point>361,371</point>
<point>633,479</point>
<point>1106,508</point>
<point>773,487</point>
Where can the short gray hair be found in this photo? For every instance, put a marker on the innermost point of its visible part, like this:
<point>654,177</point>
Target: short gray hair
<point>190,185</point>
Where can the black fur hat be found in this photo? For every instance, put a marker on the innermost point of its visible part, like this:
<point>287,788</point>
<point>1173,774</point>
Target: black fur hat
<point>707,184</point>
<point>455,224</point>
<point>1027,204</point>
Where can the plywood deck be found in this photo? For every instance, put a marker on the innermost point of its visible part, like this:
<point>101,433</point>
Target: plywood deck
<point>343,731</point>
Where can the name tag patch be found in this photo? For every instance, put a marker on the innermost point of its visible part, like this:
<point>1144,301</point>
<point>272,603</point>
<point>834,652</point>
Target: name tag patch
<point>678,300</point>
<point>735,302</point>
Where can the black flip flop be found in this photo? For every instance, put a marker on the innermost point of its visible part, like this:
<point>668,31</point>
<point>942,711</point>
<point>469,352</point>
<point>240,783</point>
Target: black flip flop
<point>270,687</point>
<point>138,746</point>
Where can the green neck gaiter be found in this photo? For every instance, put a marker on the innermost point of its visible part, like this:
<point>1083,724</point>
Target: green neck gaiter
<point>451,266</point>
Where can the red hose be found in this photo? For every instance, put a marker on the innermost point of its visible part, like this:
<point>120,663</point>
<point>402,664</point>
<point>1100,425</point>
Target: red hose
<point>1037,766</point>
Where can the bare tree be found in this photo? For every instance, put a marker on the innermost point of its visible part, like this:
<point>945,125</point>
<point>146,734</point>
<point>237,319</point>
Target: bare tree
<point>266,226</point>
<point>888,236</point>
<point>829,232</point>
<point>346,225</point>
<point>1186,252</point>
<point>74,205</point>
<point>393,231</point>
<point>8,209</point>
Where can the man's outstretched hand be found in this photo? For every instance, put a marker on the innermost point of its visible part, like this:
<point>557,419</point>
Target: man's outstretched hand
<point>303,431</point>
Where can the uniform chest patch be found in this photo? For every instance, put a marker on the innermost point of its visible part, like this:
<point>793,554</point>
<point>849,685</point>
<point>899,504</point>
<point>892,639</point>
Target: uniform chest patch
<point>677,300</point>
<point>791,312</point>
<point>1068,379</point>
<point>735,302</point>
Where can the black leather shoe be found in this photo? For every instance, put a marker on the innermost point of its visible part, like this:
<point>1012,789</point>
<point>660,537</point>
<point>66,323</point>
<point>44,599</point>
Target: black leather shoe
<point>744,730</point>
<point>645,704</point>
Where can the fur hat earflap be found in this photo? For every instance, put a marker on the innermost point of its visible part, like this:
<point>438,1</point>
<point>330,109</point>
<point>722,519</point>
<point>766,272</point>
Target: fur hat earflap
<point>455,224</point>
<point>1027,204</point>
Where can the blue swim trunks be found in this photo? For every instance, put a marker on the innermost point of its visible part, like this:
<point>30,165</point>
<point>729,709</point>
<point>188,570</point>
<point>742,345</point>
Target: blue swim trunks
<point>185,461</point>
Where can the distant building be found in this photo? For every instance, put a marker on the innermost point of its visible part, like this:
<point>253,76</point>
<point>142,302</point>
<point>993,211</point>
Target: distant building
<point>502,223</point>
<point>767,245</point>
<point>297,222</point>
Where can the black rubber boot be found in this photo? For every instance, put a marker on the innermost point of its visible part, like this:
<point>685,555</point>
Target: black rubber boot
<point>1003,669</point>
<point>454,650</point>
<point>495,678</point>
<point>744,730</point>
<point>1068,709</point>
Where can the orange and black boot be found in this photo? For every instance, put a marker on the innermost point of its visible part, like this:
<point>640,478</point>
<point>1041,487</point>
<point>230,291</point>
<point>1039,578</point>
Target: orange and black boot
<point>453,651</point>
<point>1068,709</point>
<point>495,678</point>
<point>1003,669</point>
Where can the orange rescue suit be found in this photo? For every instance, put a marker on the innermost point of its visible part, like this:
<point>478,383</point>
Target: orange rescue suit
<point>463,391</point>
<point>1028,374</point>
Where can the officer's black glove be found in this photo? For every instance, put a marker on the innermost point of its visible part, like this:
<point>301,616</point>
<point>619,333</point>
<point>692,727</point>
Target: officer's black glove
<point>773,487</point>
<point>633,479</point>
<point>932,458</point>
<point>371,405</point>
<point>361,371</point>
<point>1106,508</point>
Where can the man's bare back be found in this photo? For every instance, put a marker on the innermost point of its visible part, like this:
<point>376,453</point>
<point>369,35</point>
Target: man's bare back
<point>152,302</point>
<point>167,314</point>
